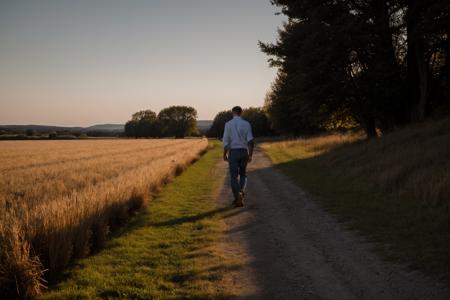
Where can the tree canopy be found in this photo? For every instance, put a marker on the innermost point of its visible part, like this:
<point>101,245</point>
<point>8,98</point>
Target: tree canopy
<point>142,124</point>
<point>257,118</point>
<point>178,121</point>
<point>379,64</point>
<point>218,125</point>
<point>173,121</point>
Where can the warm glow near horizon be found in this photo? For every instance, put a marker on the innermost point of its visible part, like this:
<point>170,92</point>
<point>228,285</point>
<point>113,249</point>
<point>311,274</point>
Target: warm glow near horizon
<point>88,62</point>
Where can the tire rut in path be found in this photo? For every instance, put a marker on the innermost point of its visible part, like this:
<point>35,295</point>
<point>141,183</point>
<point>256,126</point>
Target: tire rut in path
<point>290,248</point>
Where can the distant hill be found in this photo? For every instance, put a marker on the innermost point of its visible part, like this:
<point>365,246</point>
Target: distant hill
<point>105,127</point>
<point>47,128</point>
<point>41,127</point>
<point>203,125</point>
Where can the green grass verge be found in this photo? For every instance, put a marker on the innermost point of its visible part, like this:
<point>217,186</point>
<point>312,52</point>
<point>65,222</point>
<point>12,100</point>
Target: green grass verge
<point>403,230</point>
<point>165,252</point>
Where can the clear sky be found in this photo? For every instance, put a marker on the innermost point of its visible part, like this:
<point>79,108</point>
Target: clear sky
<point>83,62</point>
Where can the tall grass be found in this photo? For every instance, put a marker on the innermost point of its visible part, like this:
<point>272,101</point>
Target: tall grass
<point>59,200</point>
<point>414,161</point>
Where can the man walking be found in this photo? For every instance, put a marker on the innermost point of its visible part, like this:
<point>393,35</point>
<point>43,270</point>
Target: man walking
<point>238,150</point>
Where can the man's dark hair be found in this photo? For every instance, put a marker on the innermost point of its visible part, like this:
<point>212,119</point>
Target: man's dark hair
<point>237,110</point>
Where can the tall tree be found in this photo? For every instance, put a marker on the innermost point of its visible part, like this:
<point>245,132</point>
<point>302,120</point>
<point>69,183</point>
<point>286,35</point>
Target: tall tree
<point>142,124</point>
<point>317,72</point>
<point>428,30</point>
<point>258,120</point>
<point>218,125</point>
<point>147,126</point>
<point>178,121</point>
<point>131,129</point>
<point>373,61</point>
<point>256,116</point>
<point>417,64</point>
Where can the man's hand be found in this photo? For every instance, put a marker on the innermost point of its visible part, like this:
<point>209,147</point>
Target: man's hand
<point>225,154</point>
<point>251,146</point>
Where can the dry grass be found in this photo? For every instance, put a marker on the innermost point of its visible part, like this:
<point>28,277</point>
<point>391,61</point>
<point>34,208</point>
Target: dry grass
<point>312,146</point>
<point>413,161</point>
<point>59,200</point>
<point>395,188</point>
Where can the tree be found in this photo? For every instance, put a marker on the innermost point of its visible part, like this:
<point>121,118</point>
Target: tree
<point>256,116</point>
<point>218,125</point>
<point>259,121</point>
<point>178,121</point>
<point>428,30</point>
<point>147,120</point>
<point>380,63</point>
<point>131,129</point>
<point>142,124</point>
<point>313,55</point>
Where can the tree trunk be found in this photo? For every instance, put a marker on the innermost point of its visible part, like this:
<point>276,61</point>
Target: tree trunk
<point>423,90</point>
<point>395,101</point>
<point>369,127</point>
<point>417,67</point>
<point>385,32</point>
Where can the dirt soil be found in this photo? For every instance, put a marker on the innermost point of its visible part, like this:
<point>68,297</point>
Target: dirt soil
<point>285,246</point>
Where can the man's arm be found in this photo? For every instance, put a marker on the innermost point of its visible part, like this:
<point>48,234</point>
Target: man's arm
<point>226,142</point>
<point>250,143</point>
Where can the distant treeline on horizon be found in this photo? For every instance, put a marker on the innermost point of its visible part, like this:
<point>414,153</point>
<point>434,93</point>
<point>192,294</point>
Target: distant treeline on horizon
<point>36,132</point>
<point>180,121</point>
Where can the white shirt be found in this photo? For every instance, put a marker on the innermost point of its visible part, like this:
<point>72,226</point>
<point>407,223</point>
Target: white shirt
<point>237,134</point>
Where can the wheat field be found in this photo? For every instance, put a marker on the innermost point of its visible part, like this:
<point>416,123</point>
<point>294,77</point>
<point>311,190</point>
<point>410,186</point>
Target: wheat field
<point>59,200</point>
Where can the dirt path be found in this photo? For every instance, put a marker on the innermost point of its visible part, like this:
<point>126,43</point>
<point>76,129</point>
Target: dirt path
<point>290,248</point>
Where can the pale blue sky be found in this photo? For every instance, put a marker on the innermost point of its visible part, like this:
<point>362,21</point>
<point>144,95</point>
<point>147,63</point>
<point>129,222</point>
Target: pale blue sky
<point>81,62</point>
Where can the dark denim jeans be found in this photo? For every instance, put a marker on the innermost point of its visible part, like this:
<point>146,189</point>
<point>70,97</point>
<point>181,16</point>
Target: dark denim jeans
<point>237,160</point>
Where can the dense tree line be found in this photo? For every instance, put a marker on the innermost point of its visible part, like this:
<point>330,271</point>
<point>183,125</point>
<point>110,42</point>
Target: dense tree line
<point>173,121</point>
<point>379,64</point>
<point>257,117</point>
